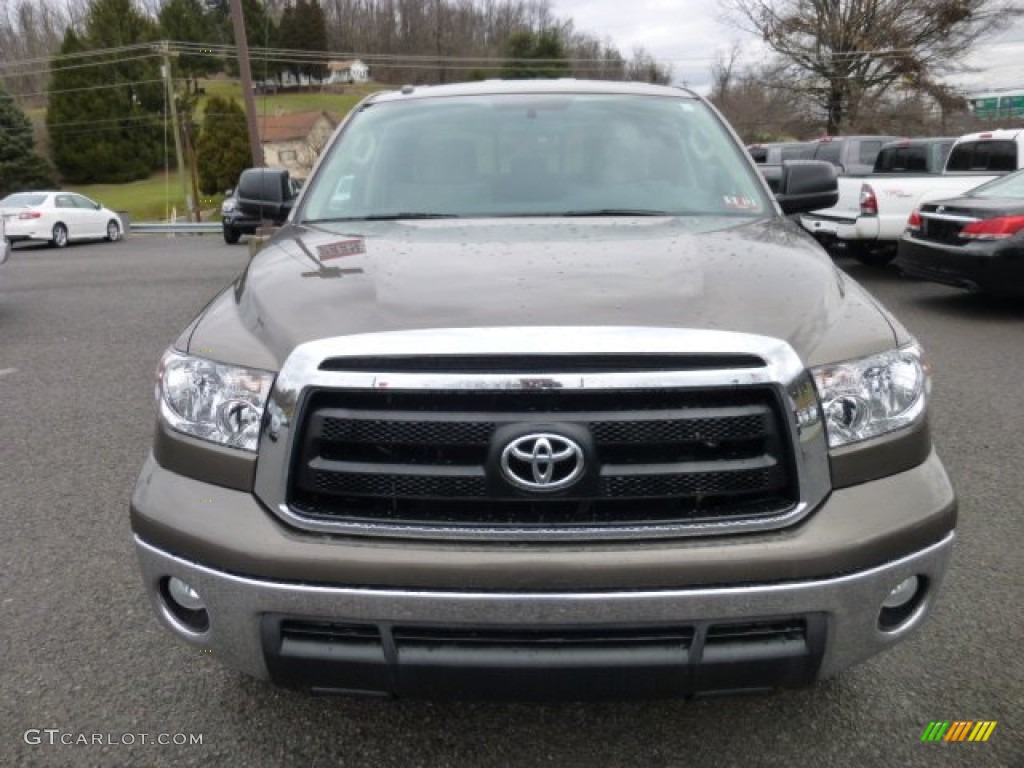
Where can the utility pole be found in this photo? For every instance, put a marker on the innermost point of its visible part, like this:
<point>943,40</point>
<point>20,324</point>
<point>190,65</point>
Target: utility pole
<point>172,102</point>
<point>193,165</point>
<point>245,70</point>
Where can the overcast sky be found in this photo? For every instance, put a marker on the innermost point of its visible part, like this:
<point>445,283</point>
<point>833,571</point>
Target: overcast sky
<point>690,35</point>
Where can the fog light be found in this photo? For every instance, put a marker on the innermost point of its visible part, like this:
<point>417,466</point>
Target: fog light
<point>902,593</point>
<point>188,598</point>
<point>902,604</point>
<point>183,606</point>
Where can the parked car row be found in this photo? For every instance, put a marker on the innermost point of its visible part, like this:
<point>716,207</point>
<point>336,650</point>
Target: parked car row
<point>852,155</point>
<point>950,210</point>
<point>872,210</point>
<point>57,217</point>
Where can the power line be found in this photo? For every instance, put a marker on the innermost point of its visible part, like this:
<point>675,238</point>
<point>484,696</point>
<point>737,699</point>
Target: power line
<point>126,84</point>
<point>411,60</point>
<point>92,53</point>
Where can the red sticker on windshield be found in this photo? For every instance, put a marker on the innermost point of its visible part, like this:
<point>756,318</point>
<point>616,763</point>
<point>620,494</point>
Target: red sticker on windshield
<point>341,249</point>
<point>739,202</point>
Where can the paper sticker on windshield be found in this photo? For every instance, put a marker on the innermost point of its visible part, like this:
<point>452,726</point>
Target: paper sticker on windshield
<point>739,202</point>
<point>341,249</point>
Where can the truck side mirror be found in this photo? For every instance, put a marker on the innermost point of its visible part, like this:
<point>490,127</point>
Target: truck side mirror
<point>803,185</point>
<point>265,193</point>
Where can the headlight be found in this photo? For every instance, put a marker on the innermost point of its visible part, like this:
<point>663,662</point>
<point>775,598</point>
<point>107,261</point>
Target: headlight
<point>869,397</point>
<point>228,205</point>
<point>220,403</point>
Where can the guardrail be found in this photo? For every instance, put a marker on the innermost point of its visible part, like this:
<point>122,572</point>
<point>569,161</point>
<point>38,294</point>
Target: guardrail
<point>175,228</point>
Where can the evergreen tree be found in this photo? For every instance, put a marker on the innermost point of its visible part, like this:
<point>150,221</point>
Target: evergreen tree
<point>313,28</point>
<point>550,53</point>
<point>289,38</point>
<point>303,28</point>
<point>105,120</point>
<point>20,167</point>
<point>188,21</point>
<point>535,55</point>
<point>519,50</point>
<point>71,112</point>
<point>260,32</point>
<point>223,147</point>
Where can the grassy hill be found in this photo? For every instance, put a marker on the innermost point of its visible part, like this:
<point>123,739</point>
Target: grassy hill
<point>337,104</point>
<point>152,199</point>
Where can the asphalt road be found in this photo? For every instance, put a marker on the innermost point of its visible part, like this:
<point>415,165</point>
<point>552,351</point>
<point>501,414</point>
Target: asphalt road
<point>81,331</point>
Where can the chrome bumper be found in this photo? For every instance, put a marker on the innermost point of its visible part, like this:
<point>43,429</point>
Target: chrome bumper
<point>850,603</point>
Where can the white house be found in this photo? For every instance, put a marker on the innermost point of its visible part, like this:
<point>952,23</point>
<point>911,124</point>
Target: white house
<point>354,71</point>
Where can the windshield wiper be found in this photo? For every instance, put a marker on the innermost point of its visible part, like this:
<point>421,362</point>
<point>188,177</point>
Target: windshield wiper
<point>386,217</point>
<point>617,212</point>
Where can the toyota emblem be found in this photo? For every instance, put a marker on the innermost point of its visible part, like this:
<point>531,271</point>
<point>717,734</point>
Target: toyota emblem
<point>542,462</point>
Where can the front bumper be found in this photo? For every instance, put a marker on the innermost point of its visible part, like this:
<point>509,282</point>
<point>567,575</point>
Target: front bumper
<point>839,616</point>
<point>992,267</point>
<point>830,573</point>
<point>240,223</point>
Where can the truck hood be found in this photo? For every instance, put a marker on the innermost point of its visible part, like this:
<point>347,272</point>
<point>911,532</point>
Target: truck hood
<point>314,282</point>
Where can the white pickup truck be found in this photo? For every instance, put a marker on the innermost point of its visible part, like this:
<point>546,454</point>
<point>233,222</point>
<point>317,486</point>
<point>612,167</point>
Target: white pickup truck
<point>872,211</point>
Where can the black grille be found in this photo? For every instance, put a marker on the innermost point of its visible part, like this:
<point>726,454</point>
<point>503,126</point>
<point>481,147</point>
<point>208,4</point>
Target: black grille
<point>396,485</point>
<point>537,662</point>
<point>683,482</point>
<point>654,457</point>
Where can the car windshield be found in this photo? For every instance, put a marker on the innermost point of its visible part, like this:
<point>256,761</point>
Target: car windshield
<point>534,155</point>
<point>22,199</point>
<point>1005,186</point>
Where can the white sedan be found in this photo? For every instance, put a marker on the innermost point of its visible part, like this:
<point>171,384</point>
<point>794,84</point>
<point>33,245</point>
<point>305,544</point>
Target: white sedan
<point>58,218</point>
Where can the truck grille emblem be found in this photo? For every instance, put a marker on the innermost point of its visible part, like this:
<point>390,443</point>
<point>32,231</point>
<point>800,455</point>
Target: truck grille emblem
<point>542,462</point>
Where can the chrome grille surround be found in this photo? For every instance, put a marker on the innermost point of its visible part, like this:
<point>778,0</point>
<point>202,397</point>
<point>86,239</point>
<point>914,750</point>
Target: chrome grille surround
<point>782,371</point>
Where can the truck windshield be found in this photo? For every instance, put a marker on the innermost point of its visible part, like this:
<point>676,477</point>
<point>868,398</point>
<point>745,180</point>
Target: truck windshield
<point>534,155</point>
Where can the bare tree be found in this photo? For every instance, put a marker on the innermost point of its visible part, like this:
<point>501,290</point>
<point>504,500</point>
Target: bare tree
<point>31,31</point>
<point>762,105</point>
<point>723,74</point>
<point>431,41</point>
<point>643,67</point>
<point>848,50</point>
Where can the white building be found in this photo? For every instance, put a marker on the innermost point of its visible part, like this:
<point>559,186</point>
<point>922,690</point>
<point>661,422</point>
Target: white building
<point>354,71</point>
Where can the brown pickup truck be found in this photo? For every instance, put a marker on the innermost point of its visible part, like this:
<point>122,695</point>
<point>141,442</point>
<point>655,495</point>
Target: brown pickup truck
<point>538,393</point>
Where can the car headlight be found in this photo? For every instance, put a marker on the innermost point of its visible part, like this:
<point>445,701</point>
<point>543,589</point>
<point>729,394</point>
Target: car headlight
<point>874,395</point>
<point>212,401</point>
<point>228,205</point>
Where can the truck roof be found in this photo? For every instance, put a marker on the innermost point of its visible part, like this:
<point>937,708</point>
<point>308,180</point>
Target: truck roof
<point>562,85</point>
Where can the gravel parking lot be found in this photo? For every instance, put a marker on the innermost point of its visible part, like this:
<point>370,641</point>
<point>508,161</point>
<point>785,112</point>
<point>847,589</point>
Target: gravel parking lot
<point>83,659</point>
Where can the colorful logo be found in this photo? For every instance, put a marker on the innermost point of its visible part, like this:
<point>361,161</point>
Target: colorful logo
<point>958,730</point>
